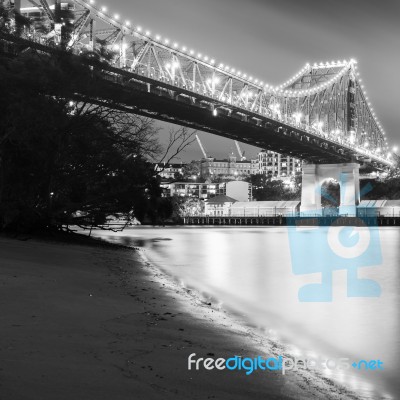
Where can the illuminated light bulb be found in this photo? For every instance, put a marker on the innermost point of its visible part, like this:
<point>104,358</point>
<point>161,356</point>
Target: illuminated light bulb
<point>205,58</point>
<point>184,48</point>
<point>166,41</point>
<point>395,148</point>
<point>116,16</point>
<point>250,78</point>
<point>158,37</point>
<point>212,61</point>
<point>221,65</point>
<point>127,23</point>
<point>168,65</point>
<point>148,33</point>
<point>245,76</point>
<point>91,1</point>
<point>233,70</point>
<point>175,45</point>
<point>199,55</point>
<point>104,9</point>
<point>139,29</point>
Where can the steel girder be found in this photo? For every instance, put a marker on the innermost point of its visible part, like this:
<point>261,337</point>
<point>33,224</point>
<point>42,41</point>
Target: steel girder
<point>325,101</point>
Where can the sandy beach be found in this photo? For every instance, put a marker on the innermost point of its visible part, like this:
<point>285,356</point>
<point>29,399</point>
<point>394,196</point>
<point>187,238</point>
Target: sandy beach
<point>94,322</point>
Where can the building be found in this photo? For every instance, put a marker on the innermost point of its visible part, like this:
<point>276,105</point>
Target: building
<point>239,190</point>
<point>242,190</point>
<point>385,208</point>
<point>227,168</point>
<point>168,171</point>
<point>264,208</point>
<point>226,206</point>
<point>267,163</point>
<point>218,206</point>
<point>277,165</point>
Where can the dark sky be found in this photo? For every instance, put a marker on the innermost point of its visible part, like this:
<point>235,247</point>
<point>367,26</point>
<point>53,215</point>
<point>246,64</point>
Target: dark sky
<point>271,40</point>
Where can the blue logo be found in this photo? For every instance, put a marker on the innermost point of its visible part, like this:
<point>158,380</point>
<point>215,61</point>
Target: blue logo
<point>325,249</point>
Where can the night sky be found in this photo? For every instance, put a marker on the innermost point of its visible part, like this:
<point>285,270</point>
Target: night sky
<point>272,40</point>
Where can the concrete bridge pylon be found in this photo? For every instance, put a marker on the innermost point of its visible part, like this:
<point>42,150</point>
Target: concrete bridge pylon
<point>314,176</point>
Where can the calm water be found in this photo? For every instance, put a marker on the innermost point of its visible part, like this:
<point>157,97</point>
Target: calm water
<point>249,270</point>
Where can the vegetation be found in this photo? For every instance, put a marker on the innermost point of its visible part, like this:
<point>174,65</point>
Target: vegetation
<point>62,158</point>
<point>266,188</point>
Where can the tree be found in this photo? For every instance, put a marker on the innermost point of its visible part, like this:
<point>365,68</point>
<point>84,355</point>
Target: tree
<point>190,171</point>
<point>267,188</point>
<point>184,206</point>
<point>65,156</point>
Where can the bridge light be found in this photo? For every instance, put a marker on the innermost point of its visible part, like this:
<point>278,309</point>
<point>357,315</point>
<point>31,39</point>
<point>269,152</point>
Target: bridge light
<point>158,37</point>
<point>297,117</point>
<point>104,9</point>
<point>199,55</point>
<point>168,65</point>
<point>139,29</point>
<point>166,41</point>
<point>395,148</point>
<point>127,23</point>
<point>184,48</point>
<point>205,58</point>
<point>116,16</point>
<point>148,33</point>
<point>212,61</point>
<point>175,45</point>
<point>215,112</point>
<point>91,1</point>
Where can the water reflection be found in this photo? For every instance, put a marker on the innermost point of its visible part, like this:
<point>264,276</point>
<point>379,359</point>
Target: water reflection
<point>250,271</point>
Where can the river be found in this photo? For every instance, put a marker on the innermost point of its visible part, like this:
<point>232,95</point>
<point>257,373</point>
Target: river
<point>250,271</point>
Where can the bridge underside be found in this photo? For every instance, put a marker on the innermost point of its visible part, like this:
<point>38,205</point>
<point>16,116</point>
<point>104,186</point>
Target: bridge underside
<point>155,102</point>
<point>132,92</point>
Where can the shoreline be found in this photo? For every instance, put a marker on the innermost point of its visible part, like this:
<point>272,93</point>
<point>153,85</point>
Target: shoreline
<point>143,326</point>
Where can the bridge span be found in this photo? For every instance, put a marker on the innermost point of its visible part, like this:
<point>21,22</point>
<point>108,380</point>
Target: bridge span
<point>321,115</point>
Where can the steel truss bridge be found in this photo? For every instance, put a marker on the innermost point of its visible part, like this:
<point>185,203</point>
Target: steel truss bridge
<point>321,115</point>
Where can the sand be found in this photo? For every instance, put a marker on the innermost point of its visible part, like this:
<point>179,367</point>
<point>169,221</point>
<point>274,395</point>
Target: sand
<point>82,322</point>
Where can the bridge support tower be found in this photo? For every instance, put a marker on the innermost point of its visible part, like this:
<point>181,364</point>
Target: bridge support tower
<point>314,176</point>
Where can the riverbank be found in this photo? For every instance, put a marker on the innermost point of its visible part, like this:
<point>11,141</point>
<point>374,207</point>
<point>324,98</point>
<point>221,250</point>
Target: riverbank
<point>97,322</point>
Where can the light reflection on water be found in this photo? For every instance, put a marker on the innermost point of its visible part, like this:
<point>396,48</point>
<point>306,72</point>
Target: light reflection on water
<point>249,270</point>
